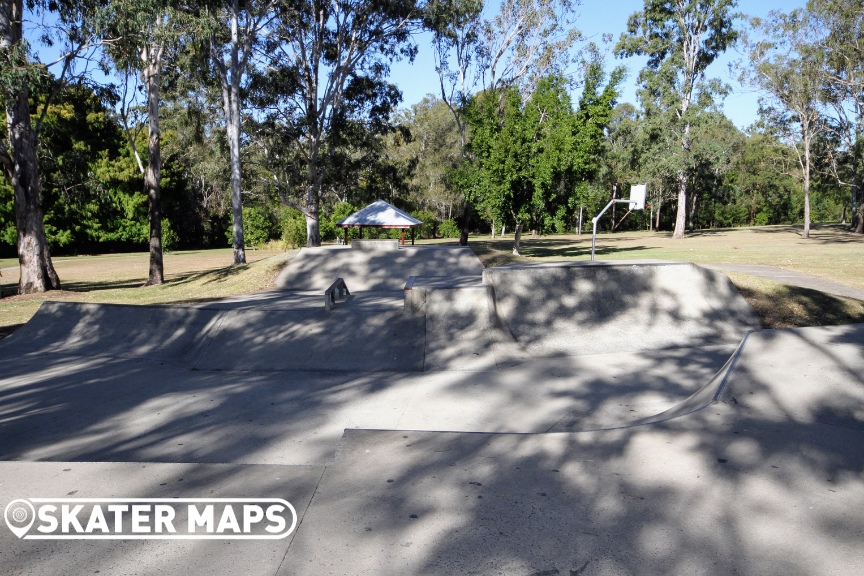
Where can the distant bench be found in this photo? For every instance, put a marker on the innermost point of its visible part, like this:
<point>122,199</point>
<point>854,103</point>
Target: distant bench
<point>337,290</point>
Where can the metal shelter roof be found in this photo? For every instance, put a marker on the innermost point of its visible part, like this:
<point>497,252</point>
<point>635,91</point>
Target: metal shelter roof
<point>379,214</point>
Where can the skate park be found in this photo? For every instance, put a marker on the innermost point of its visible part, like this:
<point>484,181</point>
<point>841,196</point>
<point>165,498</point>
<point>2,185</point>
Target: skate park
<point>446,418</point>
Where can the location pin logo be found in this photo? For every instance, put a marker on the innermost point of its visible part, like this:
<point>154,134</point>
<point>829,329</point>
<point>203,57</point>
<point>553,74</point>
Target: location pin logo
<point>19,515</point>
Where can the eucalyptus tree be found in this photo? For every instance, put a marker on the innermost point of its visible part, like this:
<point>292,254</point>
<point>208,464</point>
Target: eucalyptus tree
<point>24,78</point>
<point>326,82</point>
<point>840,26</point>
<point>681,39</point>
<point>435,150</point>
<point>145,34</point>
<point>237,30</point>
<point>525,41</point>
<point>788,68</point>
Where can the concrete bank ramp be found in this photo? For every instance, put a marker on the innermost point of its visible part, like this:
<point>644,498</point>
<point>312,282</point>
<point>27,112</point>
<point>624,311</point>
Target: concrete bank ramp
<point>166,333</point>
<point>348,338</point>
<point>599,307</point>
<point>317,268</point>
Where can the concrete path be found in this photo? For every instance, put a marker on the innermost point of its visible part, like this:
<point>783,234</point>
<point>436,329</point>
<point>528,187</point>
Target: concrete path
<point>489,457</point>
<point>791,278</point>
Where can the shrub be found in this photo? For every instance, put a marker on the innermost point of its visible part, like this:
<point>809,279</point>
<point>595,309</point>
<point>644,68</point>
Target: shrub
<point>449,229</point>
<point>294,228</point>
<point>427,229</point>
<point>258,226</point>
<point>169,236</point>
<point>340,212</point>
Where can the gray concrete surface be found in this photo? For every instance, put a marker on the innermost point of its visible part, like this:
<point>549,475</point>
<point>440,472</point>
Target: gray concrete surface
<point>791,278</point>
<point>576,308</point>
<point>317,268</point>
<point>763,484</point>
<point>449,442</point>
<point>296,484</point>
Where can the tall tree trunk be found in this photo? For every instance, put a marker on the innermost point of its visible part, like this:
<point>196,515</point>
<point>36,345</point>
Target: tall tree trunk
<point>753,206</point>
<point>232,115</point>
<point>313,195</point>
<point>152,57</point>
<point>659,205</point>
<point>37,272</point>
<point>806,232</point>
<point>857,200</point>
<point>859,223</point>
<point>691,212</point>
<point>680,219</point>
<point>466,223</point>
<point>681,216</point>
<point>517,237</point>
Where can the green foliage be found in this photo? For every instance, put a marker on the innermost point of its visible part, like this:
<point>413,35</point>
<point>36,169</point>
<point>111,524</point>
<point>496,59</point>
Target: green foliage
<point>681,39</point>
<point>258,226</point>
<point>530,158</point>
<point>430,222</point>
<point>430,155</point>
<point>449,229</point>
<point>91,189</point>
<point>8,232</point>
<point>761,219</point>
<point>169,236</point>
<point>339,213</point>
<point>294,228</point>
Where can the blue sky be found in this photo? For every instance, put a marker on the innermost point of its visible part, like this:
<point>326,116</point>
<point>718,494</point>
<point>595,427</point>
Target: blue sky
<point>609,16</point>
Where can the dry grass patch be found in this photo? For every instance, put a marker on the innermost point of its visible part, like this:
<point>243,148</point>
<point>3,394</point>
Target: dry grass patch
<point>782,306</point>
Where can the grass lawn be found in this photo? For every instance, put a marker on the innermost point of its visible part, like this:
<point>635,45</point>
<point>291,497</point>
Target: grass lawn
<point>194,276</point>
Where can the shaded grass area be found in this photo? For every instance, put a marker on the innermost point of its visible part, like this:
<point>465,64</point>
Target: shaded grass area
<point>782,306</point>
<point>114,280</point>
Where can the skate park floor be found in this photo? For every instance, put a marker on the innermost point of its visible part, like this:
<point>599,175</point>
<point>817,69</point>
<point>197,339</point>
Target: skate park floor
<point>439,443</point>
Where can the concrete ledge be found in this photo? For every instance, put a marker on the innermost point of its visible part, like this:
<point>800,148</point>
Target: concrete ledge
<point>417,287</point>
<point>375,244</point>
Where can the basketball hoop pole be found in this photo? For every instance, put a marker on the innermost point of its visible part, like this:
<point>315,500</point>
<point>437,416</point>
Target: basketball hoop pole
<point>636,201</point>
<point>596,218</point>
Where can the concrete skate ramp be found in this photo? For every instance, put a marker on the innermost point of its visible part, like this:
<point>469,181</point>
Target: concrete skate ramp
<point>591,308</point>
<point>361,338</point>
<point>166,333</point>
<point>462,331</point>
<point>317,268</point>
<point>346,339</point>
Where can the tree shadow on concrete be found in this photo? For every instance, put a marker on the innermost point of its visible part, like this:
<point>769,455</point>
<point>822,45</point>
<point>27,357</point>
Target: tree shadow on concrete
<point>726,490</point>
<point>746,486</point>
